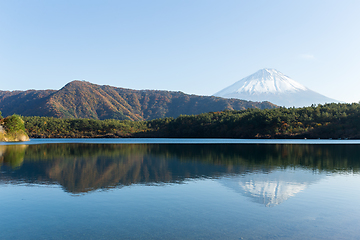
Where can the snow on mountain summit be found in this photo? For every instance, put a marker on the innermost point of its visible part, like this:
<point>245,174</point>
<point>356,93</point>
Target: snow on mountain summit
<point>264,81</point>
<point>273,86</point>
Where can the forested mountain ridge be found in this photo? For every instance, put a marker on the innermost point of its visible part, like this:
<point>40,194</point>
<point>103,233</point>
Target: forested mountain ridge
<point>80,99</point>
<point>24,102</point>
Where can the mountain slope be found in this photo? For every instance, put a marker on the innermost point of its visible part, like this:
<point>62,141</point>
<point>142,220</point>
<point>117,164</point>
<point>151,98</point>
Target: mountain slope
<point>273,86</point>
<point>23,102</point>
<point>80,99</point>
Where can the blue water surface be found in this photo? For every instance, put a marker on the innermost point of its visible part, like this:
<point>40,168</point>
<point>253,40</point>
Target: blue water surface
<point>179,189</point>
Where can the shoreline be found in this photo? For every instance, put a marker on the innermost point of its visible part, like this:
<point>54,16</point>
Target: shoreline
<point>180,141</point>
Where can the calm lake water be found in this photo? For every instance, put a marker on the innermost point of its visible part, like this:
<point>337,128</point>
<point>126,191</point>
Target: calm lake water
<point>180,189</point>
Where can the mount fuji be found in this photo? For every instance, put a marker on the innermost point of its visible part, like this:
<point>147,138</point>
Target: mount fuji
<point>273,86</point>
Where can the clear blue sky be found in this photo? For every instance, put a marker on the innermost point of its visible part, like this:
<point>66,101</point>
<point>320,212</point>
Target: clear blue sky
<point>192,46</point>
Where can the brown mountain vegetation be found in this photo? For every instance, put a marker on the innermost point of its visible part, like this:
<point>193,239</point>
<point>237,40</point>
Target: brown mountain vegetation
<point>80,99</point>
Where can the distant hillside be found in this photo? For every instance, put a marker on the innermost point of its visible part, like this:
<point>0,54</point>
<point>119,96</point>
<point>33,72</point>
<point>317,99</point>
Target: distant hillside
<point>24,102</point>
<point>80,99</point>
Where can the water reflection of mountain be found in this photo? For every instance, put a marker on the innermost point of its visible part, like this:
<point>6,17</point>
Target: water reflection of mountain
<point>85,167</point>
<point>271,188</point>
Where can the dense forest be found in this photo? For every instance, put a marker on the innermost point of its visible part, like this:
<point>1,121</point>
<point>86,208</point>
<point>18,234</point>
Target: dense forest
<point>321,121</point>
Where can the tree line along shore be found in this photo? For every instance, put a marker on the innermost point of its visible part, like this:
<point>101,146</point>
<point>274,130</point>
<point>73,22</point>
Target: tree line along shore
<point>12,129</point>
<point>335,120</point>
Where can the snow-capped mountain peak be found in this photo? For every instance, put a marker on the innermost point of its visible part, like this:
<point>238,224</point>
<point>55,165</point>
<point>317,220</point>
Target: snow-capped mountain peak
<point>264,81</point>
<point>273,86</point>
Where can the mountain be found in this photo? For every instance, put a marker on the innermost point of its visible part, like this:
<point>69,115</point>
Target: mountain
<point>273,86</point>
<point>80,99</point>
<point>23,102</point>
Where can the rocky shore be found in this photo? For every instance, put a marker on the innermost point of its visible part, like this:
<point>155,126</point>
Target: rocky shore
<point>12,129</point>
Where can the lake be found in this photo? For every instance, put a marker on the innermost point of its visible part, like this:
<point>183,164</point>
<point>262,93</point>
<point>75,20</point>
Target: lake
<point>180,189</point>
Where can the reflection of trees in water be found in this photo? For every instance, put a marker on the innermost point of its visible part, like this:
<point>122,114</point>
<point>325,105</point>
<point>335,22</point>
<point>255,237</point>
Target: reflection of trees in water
<point>316,157</point>
<point>2,150</point>
<point>85,167</point>
<point>12,155</point>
